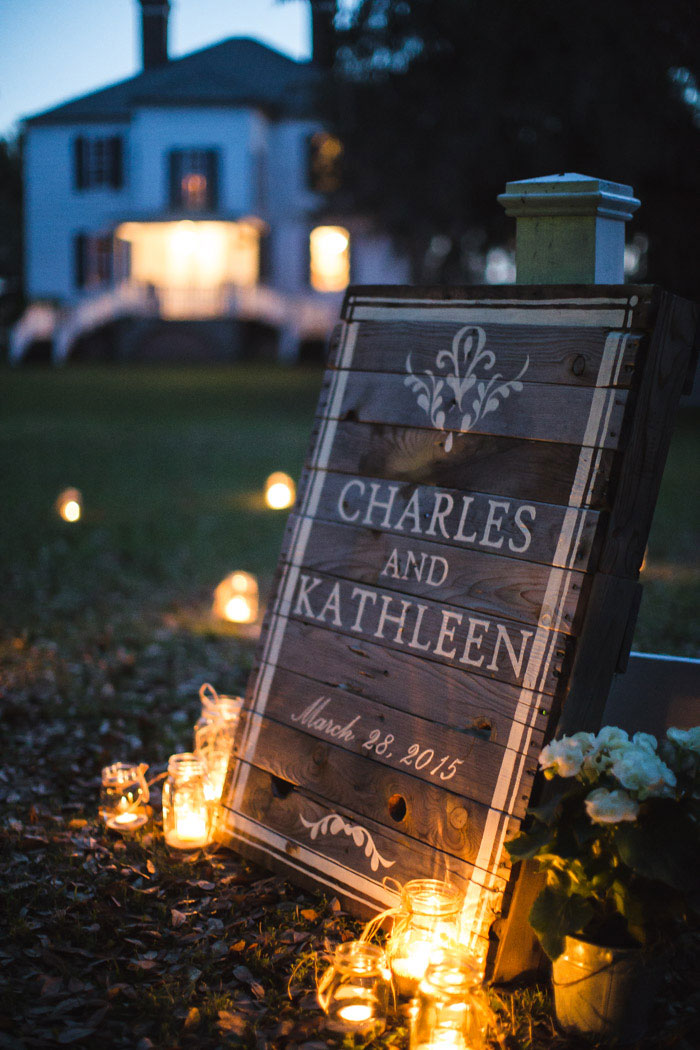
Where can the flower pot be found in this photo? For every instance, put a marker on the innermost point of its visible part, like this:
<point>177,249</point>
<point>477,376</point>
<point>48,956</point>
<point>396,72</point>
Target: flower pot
<point>605,991</point>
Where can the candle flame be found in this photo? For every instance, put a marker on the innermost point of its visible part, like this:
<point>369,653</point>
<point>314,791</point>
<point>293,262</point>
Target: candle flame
<point>356,1012</point>
<point>279,491</point>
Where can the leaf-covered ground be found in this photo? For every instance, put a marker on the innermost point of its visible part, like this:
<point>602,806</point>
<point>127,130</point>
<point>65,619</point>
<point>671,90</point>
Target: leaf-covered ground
<point>113,942</point>
<point>105,639</point>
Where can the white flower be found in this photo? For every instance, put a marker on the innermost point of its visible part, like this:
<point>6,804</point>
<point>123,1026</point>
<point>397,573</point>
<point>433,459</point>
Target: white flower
<point>563,757</point>
<point>686,738</point>
<point>646,741</point>
<point>610,807</point>
<point>585,740</point>
<point>611,736</point>
<point>644,773</point>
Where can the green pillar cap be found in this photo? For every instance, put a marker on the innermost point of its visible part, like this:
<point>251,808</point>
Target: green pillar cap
<point>569,194</point>
<point>570,229</point>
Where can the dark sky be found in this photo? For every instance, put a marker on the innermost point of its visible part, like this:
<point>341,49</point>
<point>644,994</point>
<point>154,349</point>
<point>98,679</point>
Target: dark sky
<point>52,50</point>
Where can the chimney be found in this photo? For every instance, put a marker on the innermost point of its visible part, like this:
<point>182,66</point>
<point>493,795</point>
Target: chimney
<point>154,32</point>
<point>322,34</point>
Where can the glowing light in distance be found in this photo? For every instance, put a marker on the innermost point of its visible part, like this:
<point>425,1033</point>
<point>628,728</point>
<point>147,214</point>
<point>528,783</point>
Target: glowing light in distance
<point>279,491</point>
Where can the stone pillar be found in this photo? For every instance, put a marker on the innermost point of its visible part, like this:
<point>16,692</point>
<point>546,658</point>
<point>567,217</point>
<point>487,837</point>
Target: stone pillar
<point>570,229</point>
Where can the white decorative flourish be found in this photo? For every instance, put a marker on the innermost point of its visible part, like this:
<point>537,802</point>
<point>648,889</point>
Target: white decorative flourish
<point>334,824</point>
<point>468,352</point>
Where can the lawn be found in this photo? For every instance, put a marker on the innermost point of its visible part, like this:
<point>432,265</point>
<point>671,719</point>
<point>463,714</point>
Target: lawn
<point>105,638</point>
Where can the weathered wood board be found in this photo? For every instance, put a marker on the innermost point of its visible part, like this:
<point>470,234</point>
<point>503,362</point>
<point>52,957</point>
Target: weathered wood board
<point>459,570</point>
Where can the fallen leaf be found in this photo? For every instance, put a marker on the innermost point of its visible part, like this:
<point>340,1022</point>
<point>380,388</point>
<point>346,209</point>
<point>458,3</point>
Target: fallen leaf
<point>243,974</point>
<point>144,964</point>
<point>239,946</point>
<point>150,866</point>
<point>232,1023</point>
<point>177,917</point>
<point>310,914</point>
<point>193,1018</point>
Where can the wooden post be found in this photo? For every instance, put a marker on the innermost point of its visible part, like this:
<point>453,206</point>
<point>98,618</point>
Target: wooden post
<point>570,229</point>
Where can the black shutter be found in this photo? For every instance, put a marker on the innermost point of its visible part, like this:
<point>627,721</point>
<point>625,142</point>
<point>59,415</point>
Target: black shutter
<point>79,259</point>
<point>79,166</point>
<point>265,257</point>
<point>212,170</point>
<point>116,162</point>
<point>174,167</point>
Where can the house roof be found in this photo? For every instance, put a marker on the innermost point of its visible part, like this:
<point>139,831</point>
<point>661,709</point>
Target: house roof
<point>234,72</point>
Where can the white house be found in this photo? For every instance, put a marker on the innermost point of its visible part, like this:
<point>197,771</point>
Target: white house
<point>194,191</point>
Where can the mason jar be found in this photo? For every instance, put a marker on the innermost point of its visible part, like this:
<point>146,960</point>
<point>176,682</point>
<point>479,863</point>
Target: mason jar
<point>429,919</point>
<point>214,735</point>
<point>186,809</point>
<point>449,1010</point>
<point>124,796</point>
<point>354,991</point>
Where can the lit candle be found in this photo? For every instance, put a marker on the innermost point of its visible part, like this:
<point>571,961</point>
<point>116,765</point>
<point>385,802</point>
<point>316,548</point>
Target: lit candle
<point>190,827</point>
<point>238,609</point>
<point>69,505</point>
<point>409,969</point>
<point>123,796</point>
<point>428,920</point>
<point>353,992</point>
<point>186,813</point>
<point>125,819</point>
<point>279,491</point>
<point>236,598</point>
<point>356,1013</point>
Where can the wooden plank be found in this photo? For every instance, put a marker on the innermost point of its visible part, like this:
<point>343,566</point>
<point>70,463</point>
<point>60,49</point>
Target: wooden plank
<point>425,747</point>
<point>276,826</point>
<point>365,787</point>
<point>562,354</point>
<point>470,520</point>
<point>485,583</point>
<point>473,704</point>
<point>520,470</point>
<point>609,305</point>
<point>494,647</point>
<point>504,407</point>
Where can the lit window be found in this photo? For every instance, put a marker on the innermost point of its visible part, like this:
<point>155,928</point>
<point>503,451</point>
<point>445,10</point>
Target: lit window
<point>325,154</point>
<point>330,258</point>
<point>193,179</point>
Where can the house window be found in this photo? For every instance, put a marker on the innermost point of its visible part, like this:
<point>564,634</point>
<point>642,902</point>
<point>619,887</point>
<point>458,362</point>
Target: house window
<point>98,161</point>
<point>194,179</point>
<point>323,166</point>
<point>329,248</point>
<point>93,260</point>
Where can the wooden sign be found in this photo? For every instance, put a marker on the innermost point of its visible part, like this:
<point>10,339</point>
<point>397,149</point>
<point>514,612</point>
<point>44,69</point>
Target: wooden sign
<point>460,563</point>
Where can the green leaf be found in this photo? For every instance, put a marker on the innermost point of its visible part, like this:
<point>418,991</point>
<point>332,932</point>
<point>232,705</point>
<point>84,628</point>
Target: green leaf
<point>529,843</point>
<point>548,812</point>
<point>554,915</point>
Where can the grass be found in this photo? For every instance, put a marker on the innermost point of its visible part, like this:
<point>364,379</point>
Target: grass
<point>104,641</point>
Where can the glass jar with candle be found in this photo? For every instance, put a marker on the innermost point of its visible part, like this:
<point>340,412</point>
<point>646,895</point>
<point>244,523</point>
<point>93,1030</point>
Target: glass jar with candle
<point>429,919</point>
<point>450,1009</point>
<point>124,796</point>
<point>354,991</point>
<point>214,734</point>
<point>186,811</point>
